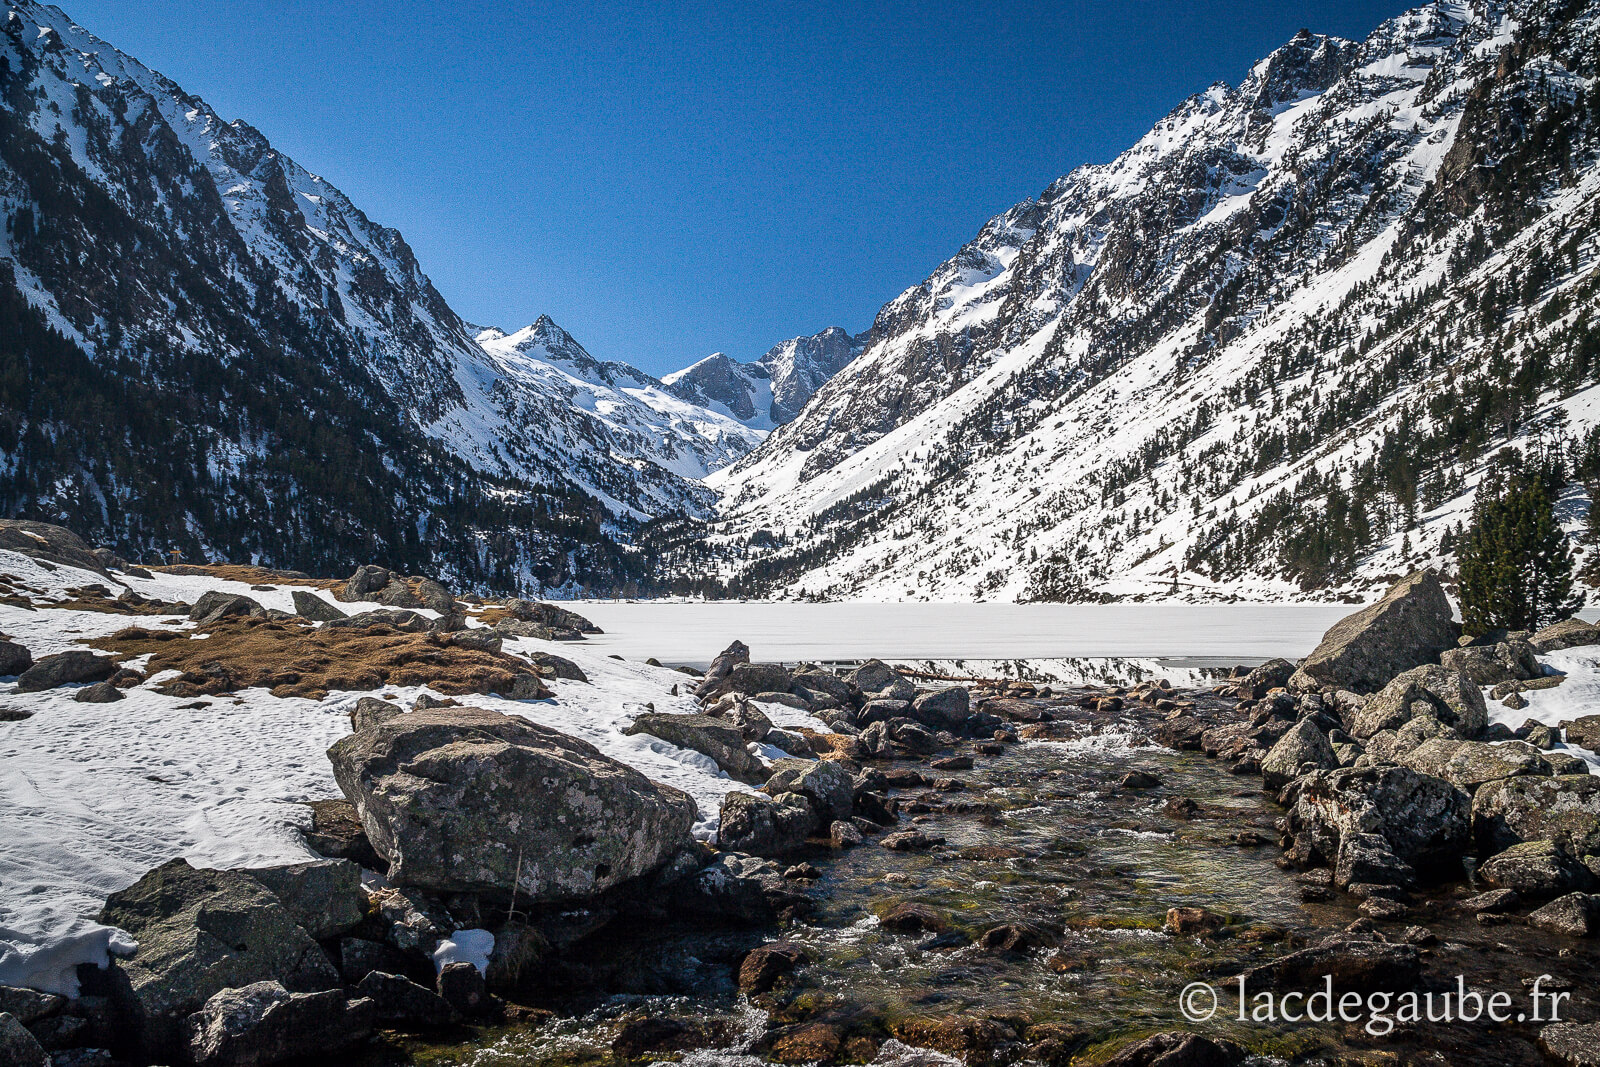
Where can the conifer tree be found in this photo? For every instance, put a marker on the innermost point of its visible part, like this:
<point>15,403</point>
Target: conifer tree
<point>1516,566</point>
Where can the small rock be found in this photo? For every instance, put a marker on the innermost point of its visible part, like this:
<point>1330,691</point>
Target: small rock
<point>913,918</point>
<point>14,659</point>
<point>1536,870</point>
<point>309,605</point>
<point>1194,922</point>
<point>762,967</point>
<point>1139,780</point>
<point>844,834</point>
<point>98,693</point>
<point>1574,915</point>
<point>370,711</point>
<point>461,985</point>
<point>1178,1049</point>
<point>909,841</point>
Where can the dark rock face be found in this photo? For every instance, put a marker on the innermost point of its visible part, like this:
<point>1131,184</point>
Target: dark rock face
<point>399,1000</point>
<point>943,709</point>
<point>19,1048</point>
<point>28,1005</point>
<point>1536,870</point>
<point>765,826</point>
<point>264,1023</point>
<point>463,988</point>
<point>324,896</point>
<point>721,741</point>
<point>310,606</point>
<point>1354,965</point>
<point>1409,627</point>
<point>14,658</point>
<point>468,800</point>
<point>1177,1049</point>
<point>762,967</point>
<point>213,606</point>
<point>1565,809</point>
<point>1425,820</point>
<point>200,932</point>
<point>66,668</point>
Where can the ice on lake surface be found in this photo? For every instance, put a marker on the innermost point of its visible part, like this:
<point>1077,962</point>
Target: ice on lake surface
<point>692,633</point>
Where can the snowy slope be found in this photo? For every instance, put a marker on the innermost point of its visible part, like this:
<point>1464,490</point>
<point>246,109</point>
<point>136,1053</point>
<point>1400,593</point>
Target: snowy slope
<point>1262,353</point>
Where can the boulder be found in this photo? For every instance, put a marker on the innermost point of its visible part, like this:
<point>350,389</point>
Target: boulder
<point>463,987</point>
<point>751,722</point>
<point>763,966</point>
<point>1573,915</point>
<point>336,832</point>
<point>1265,678</point>
<point>98,693</point>
<point>324,896</point>
<point>1536,870</point>
<point>1511,660</point>
<point>814,680</point>
<point>739,888</point>
<point>19,1048</point>
<point>370,711</point>
<point>359,957</point>
<point>406,622</point>
<point>1583,731</point>
<point>1426,820</point>
<point>263,1023</point>
<point>29,1005</point>
<point>1393,745</point>
<point>1469,764</point>
<point>723,742</point>
<point>1304,746</point>
<point>825,783</point>
<point>199,932</point>
<point>1572,1044</point>
<point>1409,627</point>
<point>726,660</point>
<point>213,606</point>
<point>435,597</point>
<point>898,738</point>
<point>1359,966</point>
<point>1564,809</point>
<point>1569,633</point>
<point>1368,859</point>
<point>398,1000</point>
<point>942,709</point>
<point>1447,695</point>
<point>465,800</point>
<point>882,711</point>
<point>558,666</point>
<point>877,680</point>
<point>788,700</point>
<point>53,544</point>
<point>538,631</point>
<point>765,826</point>
<point>566,623</point>
<point>1178,1049</point>
<point>309,605</point>
<point>14,659</point>
<point>66,668</point>
<point>749,679</point>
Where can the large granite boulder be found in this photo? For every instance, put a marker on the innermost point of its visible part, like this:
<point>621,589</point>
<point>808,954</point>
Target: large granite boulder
<point>53,544</point>
<point>765,826</point>
<point>1469,764</point>
<point>214,606</point>
<point>1410,626</point>
<point>722,741</point>
<point>1426,820</point>
<point>749,679</point>
<point>1265,678</point>
<point>1511,660</point>
<point>943,709</point>
<point>65,668</point>
<point>1449,696</point>
<point>1564,809</point>
<point>324,896</point>
<point>463,800</point>
<point>309,605</point>
<point>199,932</point>
<point>1537,870</point>
<point>825,783</point>
<point>879,681</point>
<point>1569,633</point>
<point>263,1023</point>
<point>1303,747</point>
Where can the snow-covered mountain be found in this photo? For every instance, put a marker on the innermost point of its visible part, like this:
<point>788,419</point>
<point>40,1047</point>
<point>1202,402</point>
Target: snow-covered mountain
<point>207,347</point>
<point>772,390</point>
<point>1264,352</point>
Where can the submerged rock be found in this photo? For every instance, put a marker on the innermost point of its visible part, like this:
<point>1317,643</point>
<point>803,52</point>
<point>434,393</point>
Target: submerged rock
<point>1409,627</point>
<point>465,800</point>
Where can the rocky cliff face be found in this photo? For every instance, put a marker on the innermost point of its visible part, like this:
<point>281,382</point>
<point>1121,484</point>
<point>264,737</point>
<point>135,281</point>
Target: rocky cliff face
<point>1266,351</point>
<point>209,348</point>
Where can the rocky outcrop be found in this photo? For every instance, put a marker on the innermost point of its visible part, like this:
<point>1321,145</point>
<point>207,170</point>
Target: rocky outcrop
<point>263,1023</point>
<point>214,605</point>
<point>826,784</point>
<point>66,668</point>
<point>1564,809</point>
<point>1425,820</point>
<point>1409,627</point>
<point>1446,695</point>
<point>200,932</point>
<point>309,605</point>
<point>53,544</point>
<point>1569,633</point>
<point>723,742</point>
<point>765,826</point>
<point>468,800</point>
<point>943,709</point>
<point>1511,660</point>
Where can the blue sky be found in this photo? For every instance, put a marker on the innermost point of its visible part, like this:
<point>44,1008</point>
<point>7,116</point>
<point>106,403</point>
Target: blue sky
<point>670,180</point>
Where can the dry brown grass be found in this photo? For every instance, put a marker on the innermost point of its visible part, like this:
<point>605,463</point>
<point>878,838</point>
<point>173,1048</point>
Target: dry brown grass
<point>252,575</point>
<point>293,659</point>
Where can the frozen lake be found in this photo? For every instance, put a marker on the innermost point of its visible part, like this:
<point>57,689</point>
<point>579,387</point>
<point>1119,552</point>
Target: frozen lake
<point>694,632</point>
